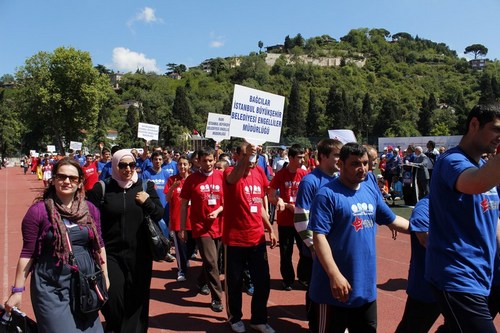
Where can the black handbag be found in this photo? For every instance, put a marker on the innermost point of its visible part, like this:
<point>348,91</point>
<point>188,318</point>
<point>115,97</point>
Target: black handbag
<point>158,243</point>
<point>17,322</point>
<point>88,292</point>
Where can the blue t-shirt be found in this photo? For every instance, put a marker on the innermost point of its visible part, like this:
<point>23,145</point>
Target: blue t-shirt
<point>160,180</point>
<point>348,218</point>
<point>100,166</point>
<point>170,168</point>
<point>462,232</point>
<point>309,185</point>
<point>106,171</point>
<point>418,288</point>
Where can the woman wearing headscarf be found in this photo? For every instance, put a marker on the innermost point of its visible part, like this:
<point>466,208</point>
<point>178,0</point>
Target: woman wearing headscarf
<point>61,212</point>
<point>123,208</point>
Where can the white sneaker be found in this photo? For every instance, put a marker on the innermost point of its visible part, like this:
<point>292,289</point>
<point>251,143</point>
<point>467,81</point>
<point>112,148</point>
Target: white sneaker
<point>181,277</point>
<point>238,327</point>
<point>263,328</point>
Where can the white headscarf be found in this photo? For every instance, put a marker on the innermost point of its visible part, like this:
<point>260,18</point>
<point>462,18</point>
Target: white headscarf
<point>115,171</point>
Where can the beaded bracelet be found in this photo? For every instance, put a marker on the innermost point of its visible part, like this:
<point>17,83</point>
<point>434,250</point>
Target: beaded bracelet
<point>18,290</point>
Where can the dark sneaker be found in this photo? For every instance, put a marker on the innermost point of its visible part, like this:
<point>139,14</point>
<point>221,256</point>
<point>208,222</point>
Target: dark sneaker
<point>169,258</point>
<point>216,306</point>
<point>204,290</point>
<point>263,328</point>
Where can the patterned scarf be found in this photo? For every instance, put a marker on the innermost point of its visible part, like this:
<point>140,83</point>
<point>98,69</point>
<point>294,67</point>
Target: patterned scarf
<point>79,214</point>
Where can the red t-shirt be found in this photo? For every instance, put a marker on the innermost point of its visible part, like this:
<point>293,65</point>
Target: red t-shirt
<point>91,175</point>
<point>288,184</point>
<point>243,224</point>
<point>175,204</point>
<point>206,195</point>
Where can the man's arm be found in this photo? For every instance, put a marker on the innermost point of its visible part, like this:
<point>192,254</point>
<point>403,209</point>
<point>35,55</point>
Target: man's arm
<point>268,227</point>
<point>339,285</point>
<point>480,180</point>
<point>239,170</point>
<point>400,224</point>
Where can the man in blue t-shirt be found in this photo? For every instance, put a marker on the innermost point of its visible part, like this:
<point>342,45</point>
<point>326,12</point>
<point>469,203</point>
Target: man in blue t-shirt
<point>463,209</point>
<point>343,219</point>
<point>326,171</point>
<point>421,309</point>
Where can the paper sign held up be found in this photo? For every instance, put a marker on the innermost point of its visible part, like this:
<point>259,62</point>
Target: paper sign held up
<point>148,131</point>
<point>218,126</point>
<point>256,116</point>
<point>75,145</point>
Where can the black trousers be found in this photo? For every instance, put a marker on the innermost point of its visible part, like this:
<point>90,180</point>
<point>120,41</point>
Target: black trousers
<point>336,319</point>
<point>127,309</point>
<point>258,265</point>
<point>465,312</point>
<point>419,317</point>
<point>288,236</point>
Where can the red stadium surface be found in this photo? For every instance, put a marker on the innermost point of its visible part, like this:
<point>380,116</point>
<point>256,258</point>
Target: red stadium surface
<point>176,306</point>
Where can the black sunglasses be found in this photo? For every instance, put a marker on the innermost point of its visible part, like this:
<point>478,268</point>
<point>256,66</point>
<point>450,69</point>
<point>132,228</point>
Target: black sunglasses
<point>123,165</point>
<point>62,177</point>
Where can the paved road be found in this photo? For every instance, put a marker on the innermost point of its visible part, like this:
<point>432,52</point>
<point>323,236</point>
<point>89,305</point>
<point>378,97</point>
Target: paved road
<point>175,306</point>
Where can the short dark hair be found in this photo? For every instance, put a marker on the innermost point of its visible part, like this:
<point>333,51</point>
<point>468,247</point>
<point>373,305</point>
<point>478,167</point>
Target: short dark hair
<point>156,153</point>
<point>114,149</point>
<point>484,113</point>
<point>326,146</point>
<point>295,149</point>
<point>105,150</point>
<point>205,151</point>
<point>352,148</point>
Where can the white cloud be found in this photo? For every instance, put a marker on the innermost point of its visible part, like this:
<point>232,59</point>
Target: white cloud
<point>129,61</point>
<point>216,41</point>
<point>146,15</point>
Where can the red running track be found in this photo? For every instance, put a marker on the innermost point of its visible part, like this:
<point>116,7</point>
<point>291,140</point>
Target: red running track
<point>176,306</point>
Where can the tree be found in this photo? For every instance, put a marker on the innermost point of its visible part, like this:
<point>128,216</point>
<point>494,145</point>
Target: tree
<point>62,94</point>
<point>487,93</point>
<point>260,45</point>
<point>11,126</point>
<point>313,120</point>
<point>103,69</point>
<point>424,123</point>
<point>477,50</point>
<point>289,44</point>
<point>366,115</point>
<point>181,109</point>
<point>295,119</point>
<point>177,69</point>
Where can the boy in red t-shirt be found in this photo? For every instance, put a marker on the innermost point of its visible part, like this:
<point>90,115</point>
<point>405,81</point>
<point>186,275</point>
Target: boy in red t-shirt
<point>204,191</point>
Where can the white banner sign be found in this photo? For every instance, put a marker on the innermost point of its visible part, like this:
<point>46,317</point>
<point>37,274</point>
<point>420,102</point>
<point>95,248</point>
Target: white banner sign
<point>343,135</point>
<point>75,145</point>
<point>148,131</point>
<point>218,126</point>
<point>256,116</point>
<point>403,142</point>
<point>51,148</point>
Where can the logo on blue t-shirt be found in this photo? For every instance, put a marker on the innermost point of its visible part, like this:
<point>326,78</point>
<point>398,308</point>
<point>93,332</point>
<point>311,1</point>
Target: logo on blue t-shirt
<point>362,209</point>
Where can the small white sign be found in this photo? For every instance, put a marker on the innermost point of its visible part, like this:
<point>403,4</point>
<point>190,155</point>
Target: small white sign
<point>343,135</point>
<point>148,131</point>
<point>256,116</point>
<point>51,148</point>
<point>75,145</point>
<point>218,126</point>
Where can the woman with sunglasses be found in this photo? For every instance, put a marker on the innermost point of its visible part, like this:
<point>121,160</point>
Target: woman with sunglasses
<point>60,212</point>
<point>130,263</point>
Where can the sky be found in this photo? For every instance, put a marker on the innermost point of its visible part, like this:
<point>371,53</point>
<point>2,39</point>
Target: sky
<point>125,35</point>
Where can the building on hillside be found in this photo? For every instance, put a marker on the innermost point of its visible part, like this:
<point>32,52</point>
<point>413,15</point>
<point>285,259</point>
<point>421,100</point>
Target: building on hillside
<point>115,79</point>
<point>275,48</point>
<point>477,64</point>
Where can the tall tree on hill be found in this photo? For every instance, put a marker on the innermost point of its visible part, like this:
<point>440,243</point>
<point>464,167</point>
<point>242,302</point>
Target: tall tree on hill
<point>477,50</point>
<point>313,121</point>
<point>487,94</point>
<point>495,87</point>
<point>260,45</point>
<point>424,123</point>
<point>366,115</point>
<point>295,121</point>
<point>336,109</point>
<point>181,109</point>
<point>289,44</point>
<point>386,118</point>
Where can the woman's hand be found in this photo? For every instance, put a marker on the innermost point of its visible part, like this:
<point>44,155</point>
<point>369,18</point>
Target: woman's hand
<point>141,197</point>
<point>14,300</point>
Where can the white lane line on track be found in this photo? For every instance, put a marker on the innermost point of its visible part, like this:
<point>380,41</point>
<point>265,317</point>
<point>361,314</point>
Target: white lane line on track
<point>5,263</point>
